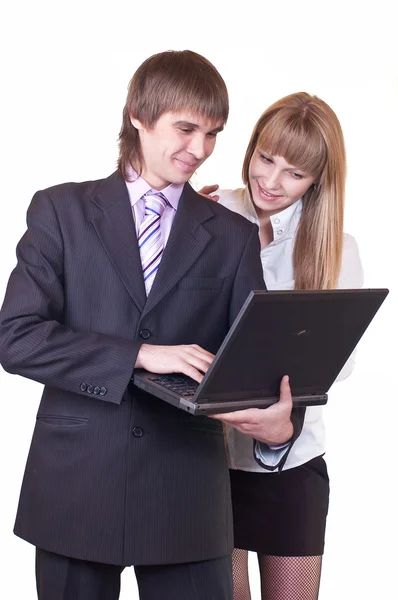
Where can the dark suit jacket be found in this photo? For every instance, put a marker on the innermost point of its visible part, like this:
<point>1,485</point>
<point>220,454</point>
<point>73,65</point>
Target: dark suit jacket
<point>113,474</point>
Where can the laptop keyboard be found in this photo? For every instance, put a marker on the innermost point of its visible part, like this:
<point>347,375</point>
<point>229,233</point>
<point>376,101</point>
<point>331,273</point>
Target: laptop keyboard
<point>180,384</point>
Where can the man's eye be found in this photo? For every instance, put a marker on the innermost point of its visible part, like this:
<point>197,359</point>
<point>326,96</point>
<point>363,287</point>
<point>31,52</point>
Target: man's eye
<point>185,130</point>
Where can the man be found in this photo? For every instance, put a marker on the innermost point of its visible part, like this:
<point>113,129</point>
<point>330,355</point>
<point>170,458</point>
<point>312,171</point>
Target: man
<point>136,270</point>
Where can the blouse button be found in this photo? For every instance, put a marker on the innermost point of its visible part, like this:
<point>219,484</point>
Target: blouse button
<point>276,221</point>
<point>279,232</point>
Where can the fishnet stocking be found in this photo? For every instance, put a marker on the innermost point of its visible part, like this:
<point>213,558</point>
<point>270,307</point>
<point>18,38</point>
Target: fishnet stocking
<point>240,573</point>
<point>282,577</point>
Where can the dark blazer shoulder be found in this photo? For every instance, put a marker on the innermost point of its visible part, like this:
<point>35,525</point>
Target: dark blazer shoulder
<point>71,189</point>
<point>229,217</point>
<point>86,195</point>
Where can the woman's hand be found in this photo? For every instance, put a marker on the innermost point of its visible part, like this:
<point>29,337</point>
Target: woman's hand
<point>207,190</point>
<point>271,425</point>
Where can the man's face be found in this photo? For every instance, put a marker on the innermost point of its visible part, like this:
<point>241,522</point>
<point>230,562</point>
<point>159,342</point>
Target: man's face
<point>175,146</point>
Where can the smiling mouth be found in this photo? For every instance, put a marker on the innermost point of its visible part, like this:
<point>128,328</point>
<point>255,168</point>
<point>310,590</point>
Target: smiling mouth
<point>188,166</point>
<point>267,194</point>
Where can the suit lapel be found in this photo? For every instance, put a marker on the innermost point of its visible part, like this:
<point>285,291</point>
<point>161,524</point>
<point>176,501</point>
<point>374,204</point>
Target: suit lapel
<point>116,229</point>
<point>188,238</point>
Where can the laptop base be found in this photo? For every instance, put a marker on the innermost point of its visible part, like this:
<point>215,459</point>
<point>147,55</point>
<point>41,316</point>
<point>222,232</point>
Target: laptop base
<point>215,407</point>
<point>224,407</point>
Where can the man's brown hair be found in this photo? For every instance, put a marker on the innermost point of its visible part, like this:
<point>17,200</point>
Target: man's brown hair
<point>170,81</point>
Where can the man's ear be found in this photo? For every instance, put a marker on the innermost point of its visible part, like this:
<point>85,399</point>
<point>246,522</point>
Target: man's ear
<point>137,124</point>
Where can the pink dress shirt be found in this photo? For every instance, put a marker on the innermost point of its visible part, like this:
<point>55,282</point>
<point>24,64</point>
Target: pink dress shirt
<point>138,187</point>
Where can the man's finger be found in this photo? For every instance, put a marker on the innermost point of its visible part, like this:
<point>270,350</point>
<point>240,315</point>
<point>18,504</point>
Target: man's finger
<point>200,352</point>
<point>191,372</point>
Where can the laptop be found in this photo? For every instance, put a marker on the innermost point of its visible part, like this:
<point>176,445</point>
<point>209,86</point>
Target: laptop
<point>308,335</point>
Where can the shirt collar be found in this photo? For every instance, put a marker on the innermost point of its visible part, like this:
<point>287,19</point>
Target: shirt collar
<point>284,225</point>
<point>286,220</point>
<point>137,187</point>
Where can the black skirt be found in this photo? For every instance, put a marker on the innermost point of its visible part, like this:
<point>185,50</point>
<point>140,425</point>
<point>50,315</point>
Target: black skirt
<point>281,514</point>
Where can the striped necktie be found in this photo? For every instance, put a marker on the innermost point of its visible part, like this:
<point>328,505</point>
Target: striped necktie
<point>150,241</point>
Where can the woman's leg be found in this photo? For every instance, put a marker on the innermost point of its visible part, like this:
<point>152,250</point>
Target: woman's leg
<point>240,574</point>
<point>290,577</point>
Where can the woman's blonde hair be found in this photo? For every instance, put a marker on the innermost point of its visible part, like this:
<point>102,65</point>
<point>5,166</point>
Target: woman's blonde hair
<point>305,131</point>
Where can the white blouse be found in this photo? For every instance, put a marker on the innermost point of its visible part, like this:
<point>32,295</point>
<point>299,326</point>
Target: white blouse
<point>277,261</point>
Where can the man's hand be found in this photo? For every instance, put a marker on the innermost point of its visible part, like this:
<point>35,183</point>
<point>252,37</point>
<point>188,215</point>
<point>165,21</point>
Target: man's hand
<point>271,425</point>
<point>192,360</point>
<point>207,190</point>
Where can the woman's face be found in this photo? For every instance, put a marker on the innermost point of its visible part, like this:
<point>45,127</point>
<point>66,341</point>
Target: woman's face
<point>275,184</point>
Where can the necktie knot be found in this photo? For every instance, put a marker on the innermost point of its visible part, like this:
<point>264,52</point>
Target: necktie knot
<point>155,203</point>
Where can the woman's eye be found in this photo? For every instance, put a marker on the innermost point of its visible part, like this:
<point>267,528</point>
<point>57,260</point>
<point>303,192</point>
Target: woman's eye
<point>297,175</point>
<point>266,159</point>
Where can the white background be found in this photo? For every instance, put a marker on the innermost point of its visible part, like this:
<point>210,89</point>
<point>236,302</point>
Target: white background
<point>65,71</point>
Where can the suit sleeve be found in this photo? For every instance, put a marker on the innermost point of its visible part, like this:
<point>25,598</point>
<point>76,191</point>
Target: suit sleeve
<point>33,341</point>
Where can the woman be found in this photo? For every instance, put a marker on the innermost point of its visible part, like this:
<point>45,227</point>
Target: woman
<point>294,174</point>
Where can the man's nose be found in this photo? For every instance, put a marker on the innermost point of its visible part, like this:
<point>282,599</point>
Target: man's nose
<point>197,146</point>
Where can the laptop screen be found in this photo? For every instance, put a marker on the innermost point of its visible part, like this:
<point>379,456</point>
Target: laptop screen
<point>307,335</point>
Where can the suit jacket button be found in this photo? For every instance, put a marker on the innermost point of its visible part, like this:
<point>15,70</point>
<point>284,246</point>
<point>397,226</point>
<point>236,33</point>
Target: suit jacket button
<point>83,387</point>
<point>138,432</point>
<point>97,389</point>
<point>103,391</point>
<point>90,389</point>
<point>145,334</point>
